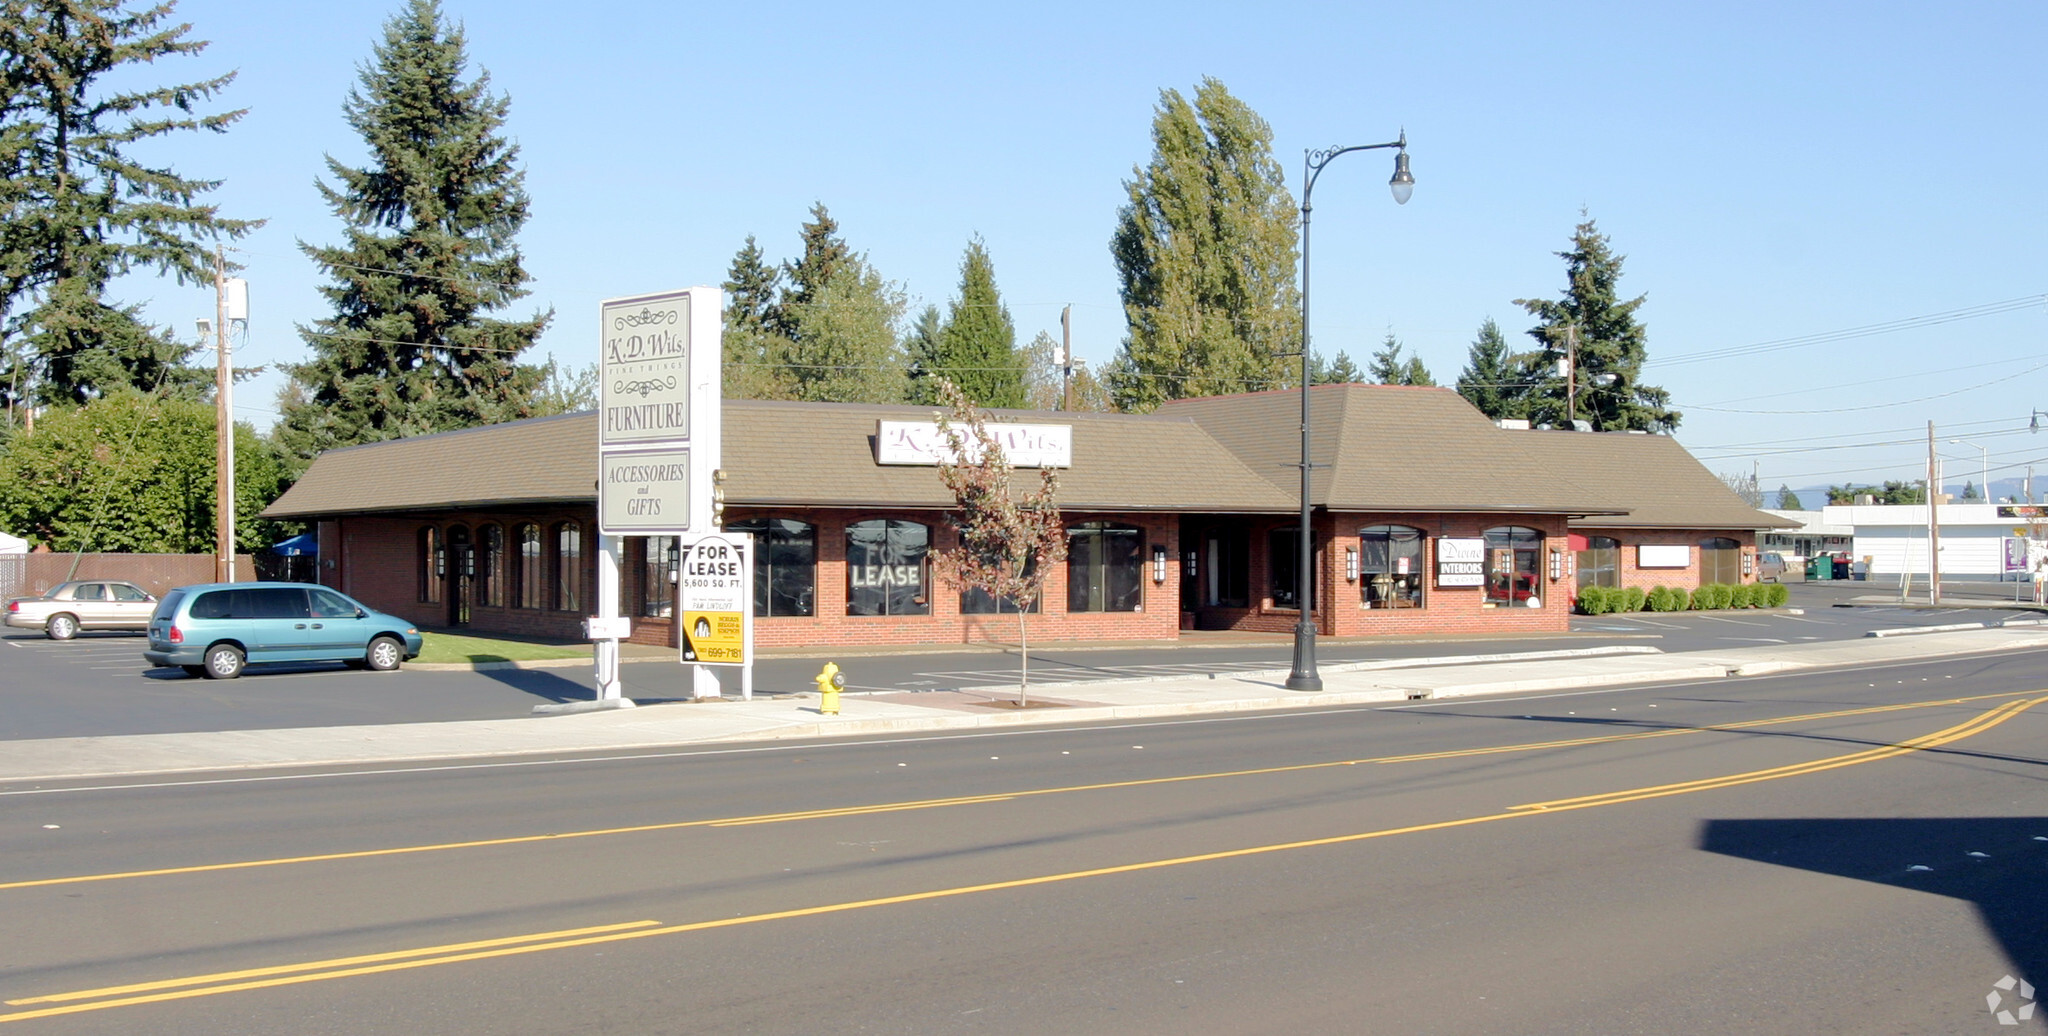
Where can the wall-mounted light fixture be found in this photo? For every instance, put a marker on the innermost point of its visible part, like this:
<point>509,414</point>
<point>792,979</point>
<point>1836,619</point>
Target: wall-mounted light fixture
<point>1159,562</point>
<point>1556,563</point>
<point>1351,564</point>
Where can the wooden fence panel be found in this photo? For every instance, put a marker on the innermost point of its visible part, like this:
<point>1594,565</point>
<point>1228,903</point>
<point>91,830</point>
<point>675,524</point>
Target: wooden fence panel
<point>27,575</point>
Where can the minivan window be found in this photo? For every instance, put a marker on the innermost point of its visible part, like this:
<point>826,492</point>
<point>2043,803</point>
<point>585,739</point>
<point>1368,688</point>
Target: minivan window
<point>330,605</point>
<point>169,605</point>
<point>259,603</point>
<point>273,602</point>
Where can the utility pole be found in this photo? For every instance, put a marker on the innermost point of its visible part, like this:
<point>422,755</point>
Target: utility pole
<point>1067,357</point>
<point>224,429</point>
<point>1933,521</point>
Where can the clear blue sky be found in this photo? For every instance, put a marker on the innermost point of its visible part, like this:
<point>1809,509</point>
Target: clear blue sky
<point>1771,171</point>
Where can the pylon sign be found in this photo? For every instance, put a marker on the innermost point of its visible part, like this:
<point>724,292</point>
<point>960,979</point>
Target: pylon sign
<point>715,584</point>
<point>658,413</point>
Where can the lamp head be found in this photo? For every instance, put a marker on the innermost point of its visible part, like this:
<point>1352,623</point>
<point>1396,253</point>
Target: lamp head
<point>1403,183</point>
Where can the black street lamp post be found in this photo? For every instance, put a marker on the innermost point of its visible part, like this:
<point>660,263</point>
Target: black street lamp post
<point>1303,677</point>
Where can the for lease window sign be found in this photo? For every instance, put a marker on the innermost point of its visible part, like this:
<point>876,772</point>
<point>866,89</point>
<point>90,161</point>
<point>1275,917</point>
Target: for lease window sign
<point>1460,562</point>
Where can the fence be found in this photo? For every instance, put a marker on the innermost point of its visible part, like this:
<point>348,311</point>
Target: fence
<point>26,575</point>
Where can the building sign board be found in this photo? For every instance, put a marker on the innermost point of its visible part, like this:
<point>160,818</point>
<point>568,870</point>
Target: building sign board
<point>2023,510</point>
<point>1024,445</point>
<point>1663,555</point>
<point>658,411</point>
<point>715,581</point>
<point>2015,554</point>
<point>1460,562</point>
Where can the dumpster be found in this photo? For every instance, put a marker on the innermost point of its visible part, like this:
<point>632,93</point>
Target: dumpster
<point>1819,567</point>
<point>1842,567</point>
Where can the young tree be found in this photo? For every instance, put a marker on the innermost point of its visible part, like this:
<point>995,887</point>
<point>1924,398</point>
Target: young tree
<point>81,204</point>
<point>1008,543</point>
<point>1743,486</point>
<point>1787,499</point>
<point>1492,380</point>
<point>1205,257</point>
<point>978,344</point>
<point>565,390</point>
<point>430,228</point>
<point>1388,368</point>
<point>1050,388</point>
<point>1595,327</point>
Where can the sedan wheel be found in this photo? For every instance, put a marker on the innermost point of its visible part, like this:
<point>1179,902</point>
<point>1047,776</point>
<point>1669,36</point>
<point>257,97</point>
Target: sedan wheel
<point>223,662</point>
<point>385,654</point>
<point>61,627</point>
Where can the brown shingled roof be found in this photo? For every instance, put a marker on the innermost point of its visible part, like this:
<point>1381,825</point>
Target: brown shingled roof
<point>777,453</point>
<point>1392,448</point>
<point>1663,485</point>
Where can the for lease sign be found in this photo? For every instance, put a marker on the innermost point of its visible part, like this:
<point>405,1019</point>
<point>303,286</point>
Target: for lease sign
<point>715,581</point>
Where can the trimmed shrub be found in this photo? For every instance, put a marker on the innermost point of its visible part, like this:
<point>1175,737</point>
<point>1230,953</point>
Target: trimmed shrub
<point>1743,596</point>
<point>1633,599</point>
<point>1774,595</point>
<point>1668,599</point>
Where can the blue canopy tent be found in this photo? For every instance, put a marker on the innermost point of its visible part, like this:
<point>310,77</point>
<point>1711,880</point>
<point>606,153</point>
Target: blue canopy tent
<point>304,543</point>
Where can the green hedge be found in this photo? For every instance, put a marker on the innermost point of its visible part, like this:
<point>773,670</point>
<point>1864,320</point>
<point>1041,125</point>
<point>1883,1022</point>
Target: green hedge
<point>1601,600</point>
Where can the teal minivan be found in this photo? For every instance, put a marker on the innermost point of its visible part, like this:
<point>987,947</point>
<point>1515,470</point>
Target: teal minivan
<point>216,629</point>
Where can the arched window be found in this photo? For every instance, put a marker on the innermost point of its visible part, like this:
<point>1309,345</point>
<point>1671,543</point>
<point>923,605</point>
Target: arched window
<point>568,567</point>
<point>785,564</point>
<point>1600,563</point>
<point>1720,560</point>
<point>531,565</point>
<point>433,565</point>
<point>1513,556</point>
<point>1390,566</point>
<point>658,577</point>
<point>886,572</point>
<point>1105,568</point>
<point>490,568</point>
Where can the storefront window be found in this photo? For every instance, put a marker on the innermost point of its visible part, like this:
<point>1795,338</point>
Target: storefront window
<point>658,577</point>
<point>530,565</point>
<point>885,568</point>
<point>976,601</point>
<point>1283,555</point>
<point>785,564</point>
<point>1600,563</point>
<point>1390,566</point>
<point>433,565</point>
<point>1227,569</point>
<point>1720,560</point>
<point>490,568</point>
<point>568,567</point>
<point>1105,568</point>
<point>1513,554</point>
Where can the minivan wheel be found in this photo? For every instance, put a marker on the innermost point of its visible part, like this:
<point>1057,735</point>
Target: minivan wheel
<point>223,662</point>
<point>385,654</point>
<point>61,626</point>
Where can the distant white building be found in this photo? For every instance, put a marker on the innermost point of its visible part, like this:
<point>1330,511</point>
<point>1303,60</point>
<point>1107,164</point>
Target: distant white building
<point>1813,536</point>
<point>12,544</point>
<point>1976,541</point>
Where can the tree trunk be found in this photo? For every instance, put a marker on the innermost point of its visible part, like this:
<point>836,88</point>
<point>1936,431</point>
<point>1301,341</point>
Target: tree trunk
<point>1023,657</point>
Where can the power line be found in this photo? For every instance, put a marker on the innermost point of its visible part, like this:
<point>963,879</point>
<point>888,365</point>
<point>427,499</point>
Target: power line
<point>1864,331</point>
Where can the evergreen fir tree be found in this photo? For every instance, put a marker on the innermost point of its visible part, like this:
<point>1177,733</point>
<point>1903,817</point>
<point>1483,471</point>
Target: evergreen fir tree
<point>1205,257</point>
<point>1593,324</point>
<point>430,228</point>
<point>1787,499</point>
<point>924,349</point>
<point>1388,368</point>
<point>80,206</point>
<point>1340,371</point>
<point>754,349</point>
<point>823,254</point>
<point>978,345</point>
<point>1492,379</point>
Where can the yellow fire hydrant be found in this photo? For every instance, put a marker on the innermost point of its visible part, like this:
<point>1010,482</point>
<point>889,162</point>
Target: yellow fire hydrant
<point>830,682</point>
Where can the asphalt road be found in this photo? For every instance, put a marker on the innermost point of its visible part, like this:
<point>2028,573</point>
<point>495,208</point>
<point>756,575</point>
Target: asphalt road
<point>1743,856</point>
<point>98,684</point>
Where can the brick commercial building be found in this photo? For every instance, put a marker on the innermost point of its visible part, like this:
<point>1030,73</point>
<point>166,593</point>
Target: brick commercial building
<point>1426,518</point>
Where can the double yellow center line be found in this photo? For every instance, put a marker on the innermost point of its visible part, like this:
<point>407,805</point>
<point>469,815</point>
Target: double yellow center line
<point>398,960</point>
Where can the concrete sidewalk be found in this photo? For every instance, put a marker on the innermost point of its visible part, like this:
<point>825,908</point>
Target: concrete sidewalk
<point>797,716</point>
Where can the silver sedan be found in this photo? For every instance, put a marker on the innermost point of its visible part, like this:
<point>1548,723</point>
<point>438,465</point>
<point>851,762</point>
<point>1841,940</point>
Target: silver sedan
<point>86,604</point>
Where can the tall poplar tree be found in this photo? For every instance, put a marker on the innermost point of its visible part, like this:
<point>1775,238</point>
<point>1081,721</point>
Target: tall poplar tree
<point>1205,256</point>
<point>978,345</point>
<point>429,253</point>
<point>846,348</point>
<point>79,205</point>
<point>1595,326</point>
